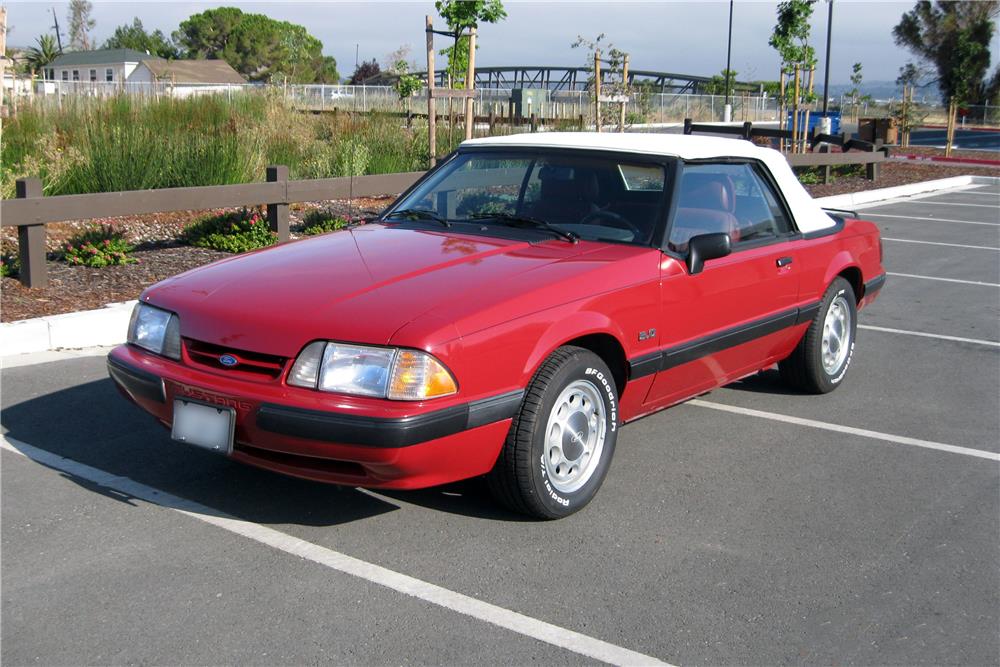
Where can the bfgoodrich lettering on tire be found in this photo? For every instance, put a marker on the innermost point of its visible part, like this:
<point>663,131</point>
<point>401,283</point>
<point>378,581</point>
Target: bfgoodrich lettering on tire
<point>821,359</point>
<point>561,441</point>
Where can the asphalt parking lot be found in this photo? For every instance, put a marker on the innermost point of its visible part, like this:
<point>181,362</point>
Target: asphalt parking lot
<point>751,526</point>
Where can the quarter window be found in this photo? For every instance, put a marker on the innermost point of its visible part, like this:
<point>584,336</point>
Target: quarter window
<point>729,198</point>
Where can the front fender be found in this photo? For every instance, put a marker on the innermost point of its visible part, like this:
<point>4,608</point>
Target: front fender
<point>565,329</point>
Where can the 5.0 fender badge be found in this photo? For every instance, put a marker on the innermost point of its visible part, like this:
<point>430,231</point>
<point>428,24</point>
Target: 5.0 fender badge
<point>646,335</point>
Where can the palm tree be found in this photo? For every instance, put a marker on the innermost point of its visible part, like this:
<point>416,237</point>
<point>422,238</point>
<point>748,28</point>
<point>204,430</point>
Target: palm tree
<point>43,54</point>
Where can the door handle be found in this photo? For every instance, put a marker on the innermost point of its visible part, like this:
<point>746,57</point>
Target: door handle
<point>783,261</point>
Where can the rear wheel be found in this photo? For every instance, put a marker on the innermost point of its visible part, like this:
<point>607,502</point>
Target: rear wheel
<point>821,359</point>
<point>561,442</point>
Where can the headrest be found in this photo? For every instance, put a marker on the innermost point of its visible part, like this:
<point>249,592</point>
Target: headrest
<point>711,191</point>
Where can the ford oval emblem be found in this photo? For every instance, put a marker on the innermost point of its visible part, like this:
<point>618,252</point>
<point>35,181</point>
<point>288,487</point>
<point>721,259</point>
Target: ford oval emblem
<point>228,360</point>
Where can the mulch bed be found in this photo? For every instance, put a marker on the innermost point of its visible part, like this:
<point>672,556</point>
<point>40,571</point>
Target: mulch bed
<point>81,288</point>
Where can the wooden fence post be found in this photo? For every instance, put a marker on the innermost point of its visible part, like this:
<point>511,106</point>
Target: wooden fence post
<point>31,240</point>
<point>277,214</point>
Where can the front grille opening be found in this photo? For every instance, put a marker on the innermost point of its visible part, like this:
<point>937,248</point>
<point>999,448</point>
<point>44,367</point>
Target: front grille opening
<point>250,365</point>
<point>304,464</point>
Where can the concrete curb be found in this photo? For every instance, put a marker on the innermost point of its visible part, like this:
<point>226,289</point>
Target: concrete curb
<point>856,199</point>
<point>108,325</point>
<point>86,328</point>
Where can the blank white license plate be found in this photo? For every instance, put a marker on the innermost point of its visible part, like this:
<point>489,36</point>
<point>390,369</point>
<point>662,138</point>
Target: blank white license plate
<point>203,425</point>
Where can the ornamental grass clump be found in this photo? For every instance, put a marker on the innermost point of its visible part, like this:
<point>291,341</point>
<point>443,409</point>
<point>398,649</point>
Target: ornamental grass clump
<point>235,232</point>
<point>98,247</point>
<point>321,221</point>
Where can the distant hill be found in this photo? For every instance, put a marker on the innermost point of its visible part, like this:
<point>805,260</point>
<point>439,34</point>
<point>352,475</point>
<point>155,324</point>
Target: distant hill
<point>885,90</point>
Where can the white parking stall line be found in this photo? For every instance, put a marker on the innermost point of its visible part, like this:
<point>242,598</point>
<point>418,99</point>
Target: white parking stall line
<point>923,202</point>
<point>463,604</point>
<point>945,280</point>
<point>950,245</point>
<point>924,334</point>
<point>913,217</point>
<point>839,428</point>
<point>995,195</point>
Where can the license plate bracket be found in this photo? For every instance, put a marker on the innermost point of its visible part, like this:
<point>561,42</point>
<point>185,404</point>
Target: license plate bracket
<point>204,425</point>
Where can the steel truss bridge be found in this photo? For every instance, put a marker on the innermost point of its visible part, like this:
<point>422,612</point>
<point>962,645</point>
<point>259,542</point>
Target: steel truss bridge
<point>572,79</point>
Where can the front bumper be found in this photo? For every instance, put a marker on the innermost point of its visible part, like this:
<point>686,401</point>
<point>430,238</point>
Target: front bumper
<point>324,437</point>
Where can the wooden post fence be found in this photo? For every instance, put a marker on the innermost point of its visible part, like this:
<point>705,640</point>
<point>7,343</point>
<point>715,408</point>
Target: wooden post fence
<point>277,214</point>
<point>31,240</point>
<point>30,211</point>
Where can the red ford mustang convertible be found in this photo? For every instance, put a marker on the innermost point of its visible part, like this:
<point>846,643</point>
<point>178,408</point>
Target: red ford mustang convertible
<point>506,315</point>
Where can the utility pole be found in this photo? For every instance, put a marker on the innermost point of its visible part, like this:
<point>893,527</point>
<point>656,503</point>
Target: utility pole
<point>826,77</point>
<point>729,52</point>
<point>55,25</point>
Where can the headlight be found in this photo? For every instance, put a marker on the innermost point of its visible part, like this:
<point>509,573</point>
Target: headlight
<point>385,372</point>
<point>155,330</point>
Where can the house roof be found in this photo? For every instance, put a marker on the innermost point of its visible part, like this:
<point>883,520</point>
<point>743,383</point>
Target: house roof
<point>194,71</point>
<point>100,57</point>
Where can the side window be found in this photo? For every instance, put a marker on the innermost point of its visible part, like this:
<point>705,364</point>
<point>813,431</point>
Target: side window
<point>706,204</point>
<point>109,74</point>
<point>728,198</point>
<point>76,75</point>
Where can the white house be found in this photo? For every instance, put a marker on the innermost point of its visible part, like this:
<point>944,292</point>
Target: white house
<point>187,77</point>
<point>100,66</point>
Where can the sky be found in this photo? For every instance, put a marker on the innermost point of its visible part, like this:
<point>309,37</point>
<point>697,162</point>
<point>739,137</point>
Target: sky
<point>681,37</point>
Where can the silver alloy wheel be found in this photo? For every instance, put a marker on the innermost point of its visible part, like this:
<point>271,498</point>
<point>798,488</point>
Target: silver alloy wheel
<point>574,436</point>
<point>836,335</point>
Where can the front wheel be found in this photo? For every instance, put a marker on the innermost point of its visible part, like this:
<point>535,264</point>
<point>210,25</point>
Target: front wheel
<point>821,359</point>
<point>561,441</point>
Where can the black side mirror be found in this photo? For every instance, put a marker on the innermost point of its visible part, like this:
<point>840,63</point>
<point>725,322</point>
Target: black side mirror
<point>704,247</point>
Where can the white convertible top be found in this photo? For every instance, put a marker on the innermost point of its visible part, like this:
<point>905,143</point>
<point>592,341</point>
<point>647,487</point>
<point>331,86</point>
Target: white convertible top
<point>809,217</point>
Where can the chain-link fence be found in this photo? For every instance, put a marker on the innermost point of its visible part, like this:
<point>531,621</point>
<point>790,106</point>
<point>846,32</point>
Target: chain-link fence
<point>642,108</point>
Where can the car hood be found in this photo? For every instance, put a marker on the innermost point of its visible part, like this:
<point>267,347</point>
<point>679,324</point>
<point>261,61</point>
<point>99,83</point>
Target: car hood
<point>360,285</point>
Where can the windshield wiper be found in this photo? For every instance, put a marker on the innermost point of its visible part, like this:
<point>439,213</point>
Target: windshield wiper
<point>514,220</point>
<point>419,214</point>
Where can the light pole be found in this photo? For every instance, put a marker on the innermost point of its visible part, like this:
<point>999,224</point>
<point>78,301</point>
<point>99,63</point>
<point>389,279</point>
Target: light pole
<point>826,76</point>
<point>728,113</point>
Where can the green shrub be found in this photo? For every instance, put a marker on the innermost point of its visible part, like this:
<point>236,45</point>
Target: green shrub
<point>235,232</point>
<point>321,221</point>
<point>810,176</point>
<point>97,247</point>
<point>9,266</point>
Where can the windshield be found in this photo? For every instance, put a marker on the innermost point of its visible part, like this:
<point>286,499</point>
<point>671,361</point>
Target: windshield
<point>591,197</point>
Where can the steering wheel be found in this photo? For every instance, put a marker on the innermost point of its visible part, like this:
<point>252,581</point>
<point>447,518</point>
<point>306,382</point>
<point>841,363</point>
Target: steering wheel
<point>615,219</point>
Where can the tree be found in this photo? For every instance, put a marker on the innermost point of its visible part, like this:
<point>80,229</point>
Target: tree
<point>458,60</point>
<point>41,55</point>
<point>364,71</point>
<point>857,76</point>
<point>954,39</point>
<point>791,34</point>
<point>717,85</point>
<point>80,24</point>
<point>257,46</point>
<point>462,15</point>
<point>134,36</point>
